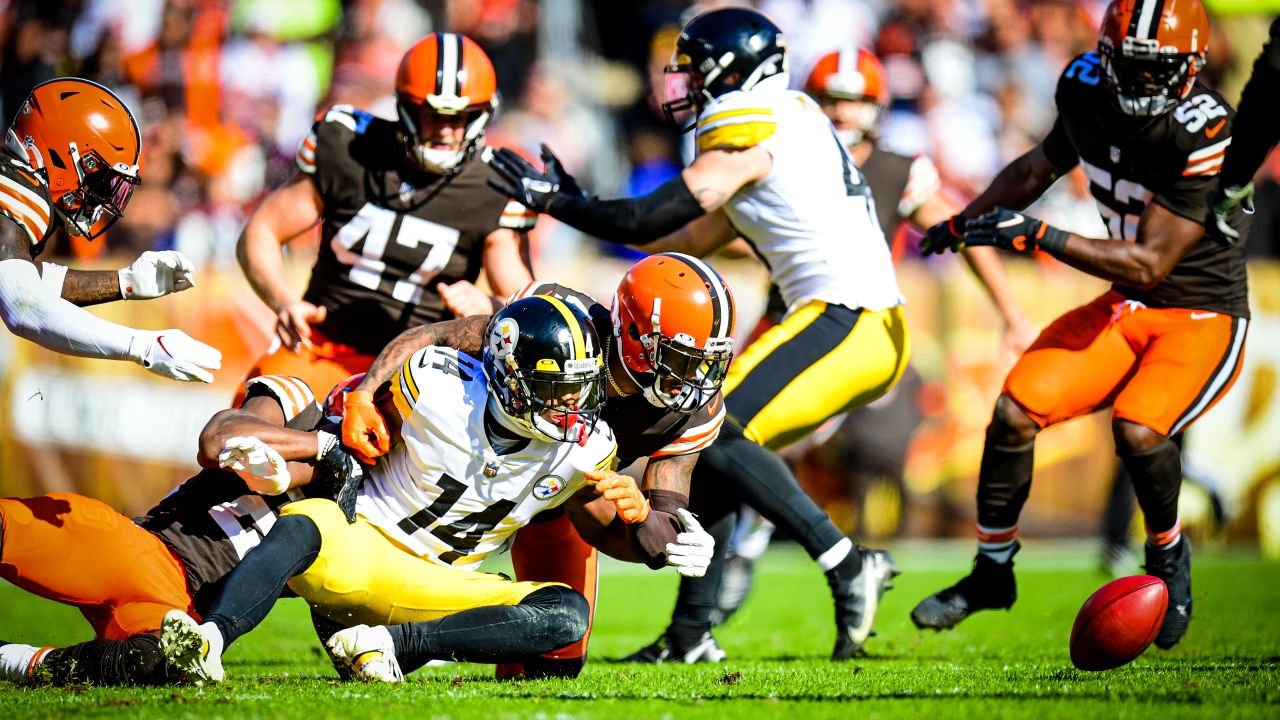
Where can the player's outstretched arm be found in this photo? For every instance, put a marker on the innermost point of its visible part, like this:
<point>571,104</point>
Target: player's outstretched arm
<point>152,275</point>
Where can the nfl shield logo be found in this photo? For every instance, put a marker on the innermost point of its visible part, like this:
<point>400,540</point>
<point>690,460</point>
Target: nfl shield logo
<point>406,192</point>
<point>491,468</point>
<point>1115,154</point>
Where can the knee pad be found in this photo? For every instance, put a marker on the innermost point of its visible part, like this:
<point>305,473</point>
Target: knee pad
<point>566,611</point>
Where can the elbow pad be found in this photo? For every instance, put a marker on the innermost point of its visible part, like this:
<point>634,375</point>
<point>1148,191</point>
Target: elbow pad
<point>633,221</point>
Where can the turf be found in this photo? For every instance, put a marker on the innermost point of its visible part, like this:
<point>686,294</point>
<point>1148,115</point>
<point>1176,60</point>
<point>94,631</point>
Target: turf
<point>996,665</point>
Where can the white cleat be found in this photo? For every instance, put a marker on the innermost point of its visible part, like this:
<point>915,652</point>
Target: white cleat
<point>367,652</point>
<point>194,649</point>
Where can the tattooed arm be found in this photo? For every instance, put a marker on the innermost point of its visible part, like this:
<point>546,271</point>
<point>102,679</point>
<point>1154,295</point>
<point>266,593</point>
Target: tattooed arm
<point>90,287</point>
<point>464,334</point>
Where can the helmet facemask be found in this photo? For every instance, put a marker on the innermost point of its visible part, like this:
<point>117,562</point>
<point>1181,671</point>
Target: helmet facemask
<point>420,137</point>
<point>99,199</point>
<point>558,405</point>
<point>1144,81</point>
<point>685,377</point>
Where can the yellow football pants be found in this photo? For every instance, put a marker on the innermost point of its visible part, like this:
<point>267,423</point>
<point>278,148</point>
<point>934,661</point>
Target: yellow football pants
<point>362,577</point>
<point>821,360</point>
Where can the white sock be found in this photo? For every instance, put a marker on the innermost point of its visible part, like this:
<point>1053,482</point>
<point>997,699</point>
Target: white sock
<point>835,555</point>
<point>15,658</point>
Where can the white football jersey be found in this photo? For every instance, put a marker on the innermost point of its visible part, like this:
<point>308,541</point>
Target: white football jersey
<point>444,493</point>
<point>811,218</point>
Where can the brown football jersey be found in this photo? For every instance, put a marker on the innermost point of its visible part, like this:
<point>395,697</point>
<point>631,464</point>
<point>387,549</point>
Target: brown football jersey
<point>24,199</point>
<point>390,230</point>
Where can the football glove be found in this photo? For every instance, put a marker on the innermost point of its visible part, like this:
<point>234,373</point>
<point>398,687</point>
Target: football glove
<point>338,474</point>
<point>946,235</point>
<point>1223,203</point>
<point>156,273</point>
<point>691,553</point>
<point>621,490</point>
<point>175,355</point>
<point>1011,230</point>
<point>257,463</point>
<point>523,182</point>
<point>364,430</point>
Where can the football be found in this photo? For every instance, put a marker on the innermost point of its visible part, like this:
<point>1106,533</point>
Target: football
<point>1118,622</point>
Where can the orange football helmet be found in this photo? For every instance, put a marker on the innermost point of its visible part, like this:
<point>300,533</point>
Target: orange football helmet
<point>673,322</point>
<point>445,77</point>
<point>85,142</point>
<point>1151,52</point>
<point>850,76</point>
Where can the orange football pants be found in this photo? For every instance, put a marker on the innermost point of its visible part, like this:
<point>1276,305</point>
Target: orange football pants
<point>321,366</point>
<point>1158,367</point>
<point>81,552</point>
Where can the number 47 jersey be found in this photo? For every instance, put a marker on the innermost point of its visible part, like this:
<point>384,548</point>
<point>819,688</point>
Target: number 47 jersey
<point>444,493</point>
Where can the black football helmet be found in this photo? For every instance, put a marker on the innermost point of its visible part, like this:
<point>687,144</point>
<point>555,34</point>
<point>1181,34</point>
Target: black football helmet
<point>720,51</point>
<point>545,367</point>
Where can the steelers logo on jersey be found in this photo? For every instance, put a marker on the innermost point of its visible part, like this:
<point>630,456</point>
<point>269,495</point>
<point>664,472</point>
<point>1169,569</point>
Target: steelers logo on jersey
<point>547,487</point>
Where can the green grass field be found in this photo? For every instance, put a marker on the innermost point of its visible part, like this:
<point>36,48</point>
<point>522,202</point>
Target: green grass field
<point>996,665</point>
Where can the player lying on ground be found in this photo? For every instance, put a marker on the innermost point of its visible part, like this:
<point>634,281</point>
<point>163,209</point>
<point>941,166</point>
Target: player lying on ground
<point>125,575</point>
<point>665,360</point>
<point>770,168</point>
<point>482,448</point>
<point>71,154</point>
<point>1166,342</point>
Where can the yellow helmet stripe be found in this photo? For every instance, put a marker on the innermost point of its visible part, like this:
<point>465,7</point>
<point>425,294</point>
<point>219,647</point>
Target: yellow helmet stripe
<point>579,342</point>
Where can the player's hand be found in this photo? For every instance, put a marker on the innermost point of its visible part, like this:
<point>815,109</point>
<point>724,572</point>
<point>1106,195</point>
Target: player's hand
<point>464,299</point>
<point>1011,230</point>
<point>293,323</point>
<point>691,553</point>
<point>257,463</point>
<point>156,273</point>
<point>338,473</point>
<point>364,430</point>
<point>535,189</point>
<point>175,355</point>
<point>621,490</point>
<point>1018,336</point>
<point>946,235</point>
<point>1223,204</point>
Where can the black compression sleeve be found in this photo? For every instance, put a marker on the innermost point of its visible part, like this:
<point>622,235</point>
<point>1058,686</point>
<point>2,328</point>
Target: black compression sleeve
<point>633,221</point>
<point>1255,130</point>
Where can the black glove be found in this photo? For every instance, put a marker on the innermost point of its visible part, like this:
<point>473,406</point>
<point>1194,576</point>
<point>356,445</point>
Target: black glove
<point>1223,204</point>
<point>533,188</point>
<point>339,475</point>
<point>946,235</point>
<point>1011,230</point>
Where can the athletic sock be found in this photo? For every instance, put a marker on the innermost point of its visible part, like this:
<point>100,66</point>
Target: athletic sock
<point>838,554</point>
<point>998,544</point>
<point>19,662</point>
<point>1165,539</point>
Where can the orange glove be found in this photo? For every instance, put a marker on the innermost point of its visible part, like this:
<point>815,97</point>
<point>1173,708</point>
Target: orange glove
<point>363,429</point>
<point>621,490</point>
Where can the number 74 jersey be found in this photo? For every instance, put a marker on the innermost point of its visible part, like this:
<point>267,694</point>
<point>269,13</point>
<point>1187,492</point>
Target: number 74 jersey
<point>444,493</point>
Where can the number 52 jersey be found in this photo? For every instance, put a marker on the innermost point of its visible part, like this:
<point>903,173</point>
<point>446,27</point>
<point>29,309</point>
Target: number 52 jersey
<point>444,493</point>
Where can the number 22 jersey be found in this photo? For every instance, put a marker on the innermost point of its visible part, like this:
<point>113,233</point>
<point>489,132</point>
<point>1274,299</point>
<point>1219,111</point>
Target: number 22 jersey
<point>1172,159</point>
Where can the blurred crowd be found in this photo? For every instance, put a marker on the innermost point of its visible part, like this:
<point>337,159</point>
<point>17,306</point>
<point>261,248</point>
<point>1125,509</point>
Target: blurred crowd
<point>225,89</point>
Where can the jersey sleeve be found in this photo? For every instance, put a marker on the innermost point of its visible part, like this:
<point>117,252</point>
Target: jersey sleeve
<point>1202,128</point>
<point>294,396</point>
<point>735,121</point>
<point>24,201</point>
<point>923,182</point>
<point>327,145</point>
<point>700,433</point>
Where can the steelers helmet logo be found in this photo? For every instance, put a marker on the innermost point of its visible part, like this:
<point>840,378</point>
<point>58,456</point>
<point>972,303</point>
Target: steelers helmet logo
<point>547,487</point>
<point>504,337</point>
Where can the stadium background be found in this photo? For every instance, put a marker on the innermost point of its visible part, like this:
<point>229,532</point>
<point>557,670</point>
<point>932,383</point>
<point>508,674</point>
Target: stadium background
<point>225,89</point>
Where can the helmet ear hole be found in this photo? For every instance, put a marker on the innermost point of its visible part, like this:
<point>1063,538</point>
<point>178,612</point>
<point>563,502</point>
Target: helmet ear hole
<point>55,159</point>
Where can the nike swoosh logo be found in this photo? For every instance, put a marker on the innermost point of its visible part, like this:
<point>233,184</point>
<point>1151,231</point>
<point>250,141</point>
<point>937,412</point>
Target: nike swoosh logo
<point>1203,316</point>
<point>1013,220</point>
<point>1212,132</point>
<point>160,342</point>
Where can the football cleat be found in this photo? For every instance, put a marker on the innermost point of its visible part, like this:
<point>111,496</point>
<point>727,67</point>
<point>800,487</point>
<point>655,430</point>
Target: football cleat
<point>366,653</point>
<point>1173,566</point>
<point>669,648</point>
<point>735,585</point>
<point>991,586</point>
<point>857,597</point>
<point>193,649</point>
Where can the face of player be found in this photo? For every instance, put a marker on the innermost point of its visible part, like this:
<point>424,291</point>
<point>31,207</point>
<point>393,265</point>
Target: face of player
<point>444,132</point>
<point>853,119</point>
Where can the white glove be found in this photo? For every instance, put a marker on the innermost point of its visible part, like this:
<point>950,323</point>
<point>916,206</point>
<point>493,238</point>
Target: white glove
<point>257,463</point>
<point>690,554</point>
<point>174,354</point>
<point>156,273</point>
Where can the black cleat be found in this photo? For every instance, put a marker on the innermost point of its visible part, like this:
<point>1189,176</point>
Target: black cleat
<point>990,586</point>
<point>1173,566</point>
<point>674,647</point>
<point>857,597</point>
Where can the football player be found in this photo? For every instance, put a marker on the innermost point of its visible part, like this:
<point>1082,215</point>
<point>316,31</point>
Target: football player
<point>71,156</point>
<point>1166,342</point>
<point>771,168</point>
<point>486,446</point>
<point>125,575</point>
<point>669,342</point>
<point>406,220</point>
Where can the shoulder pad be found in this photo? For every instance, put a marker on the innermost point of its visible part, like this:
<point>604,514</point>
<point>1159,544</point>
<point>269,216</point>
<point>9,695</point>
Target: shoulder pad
<point>736,120</point>
<point>337,121</point>
<point>429,371</point>
<point>1083,71</point>
<point>1202,130</point>
<point>25,200</point>
<point>293,394</point>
